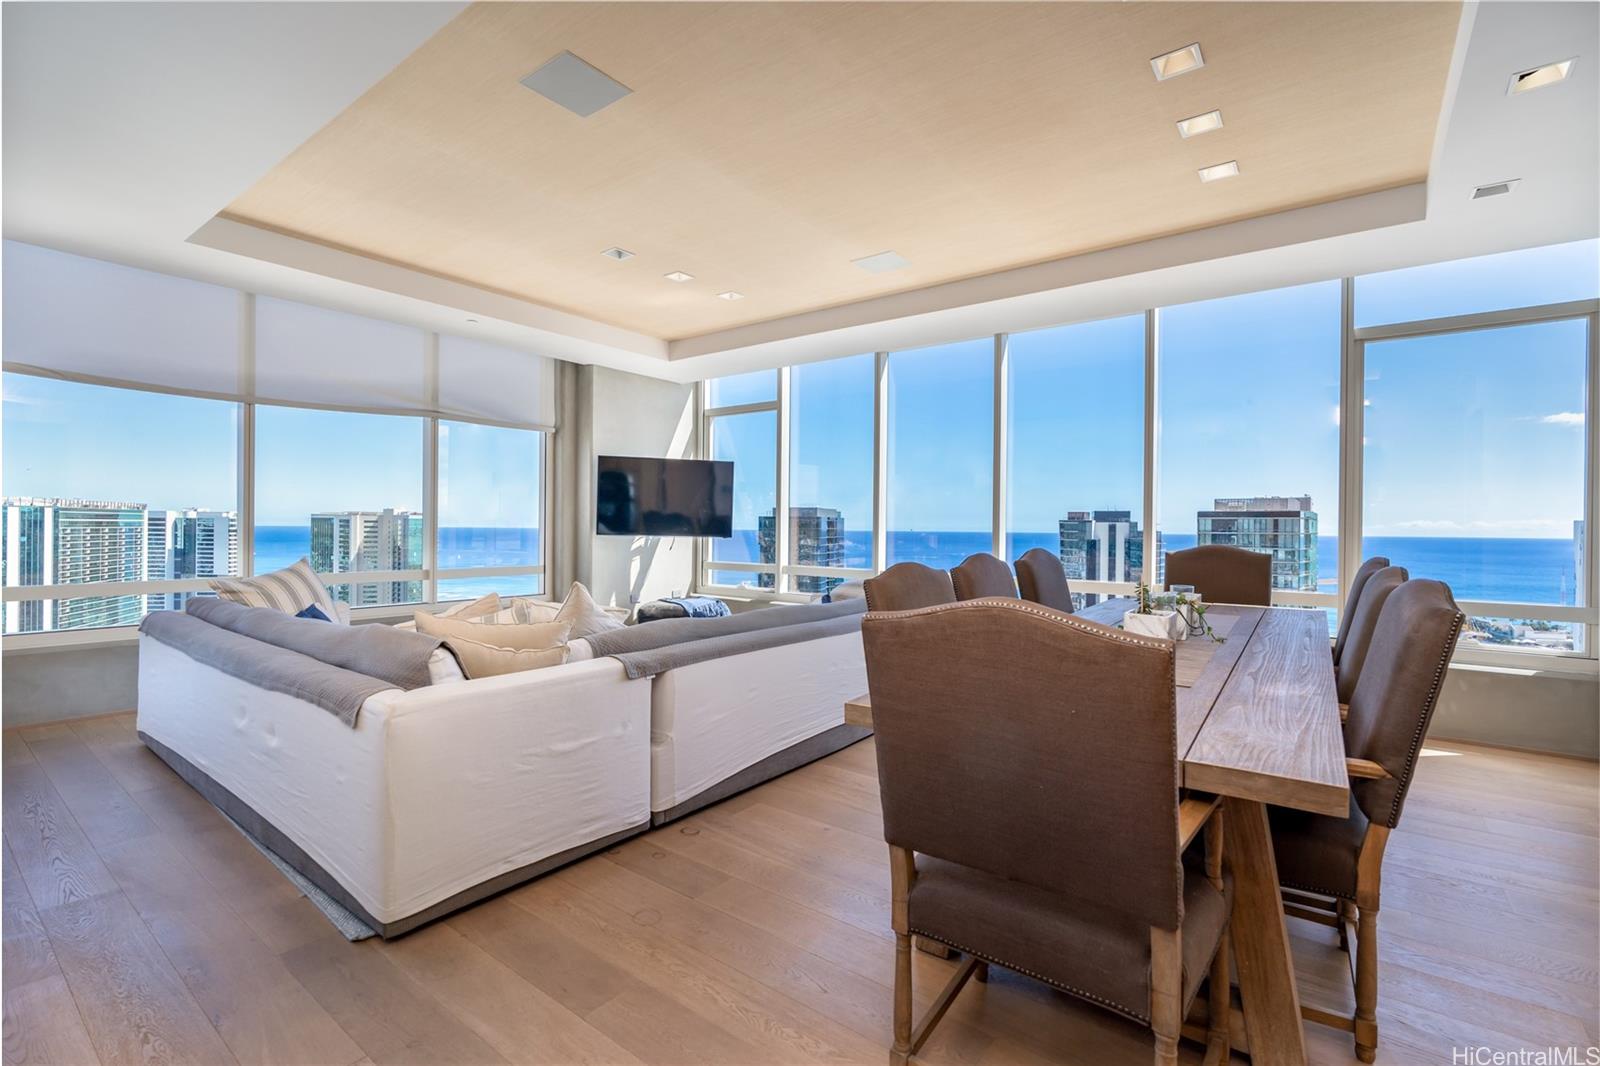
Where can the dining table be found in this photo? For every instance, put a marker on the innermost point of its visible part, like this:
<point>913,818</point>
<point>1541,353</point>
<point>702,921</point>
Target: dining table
<point>1257,725</point>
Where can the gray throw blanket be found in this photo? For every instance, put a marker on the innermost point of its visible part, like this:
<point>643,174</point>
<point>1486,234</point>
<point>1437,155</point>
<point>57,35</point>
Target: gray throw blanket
<point>645,651</point>
<point>267,666</point>
<point>394,655</point>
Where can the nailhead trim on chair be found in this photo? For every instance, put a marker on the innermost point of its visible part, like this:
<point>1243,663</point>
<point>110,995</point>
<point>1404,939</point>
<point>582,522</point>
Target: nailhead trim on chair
<point>1422,722</point>
<point>1143,1019</point>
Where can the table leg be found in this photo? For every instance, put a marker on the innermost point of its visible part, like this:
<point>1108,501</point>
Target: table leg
<point>1260,941</point>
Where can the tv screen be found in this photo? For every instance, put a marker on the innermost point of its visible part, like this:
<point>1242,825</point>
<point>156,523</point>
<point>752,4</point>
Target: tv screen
<point>663,497</point>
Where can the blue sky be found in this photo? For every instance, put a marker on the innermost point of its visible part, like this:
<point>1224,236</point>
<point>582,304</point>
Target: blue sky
<point>1471,435</point>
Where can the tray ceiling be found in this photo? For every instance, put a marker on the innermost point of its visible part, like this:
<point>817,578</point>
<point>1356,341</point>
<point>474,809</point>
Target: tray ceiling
<point>764,147</point>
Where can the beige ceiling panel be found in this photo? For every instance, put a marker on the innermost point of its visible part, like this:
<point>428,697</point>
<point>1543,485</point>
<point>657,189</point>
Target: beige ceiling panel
<point>765,146</point>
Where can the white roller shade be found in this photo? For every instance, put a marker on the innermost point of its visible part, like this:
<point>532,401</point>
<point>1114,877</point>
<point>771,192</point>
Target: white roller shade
<point>307,354</point>
<point>485,381</point>
<point>87,318</point>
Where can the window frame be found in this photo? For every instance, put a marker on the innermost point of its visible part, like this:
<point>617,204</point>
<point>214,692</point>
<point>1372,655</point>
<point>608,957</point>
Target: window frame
<point>1350,477</point>
<point>429,574</point>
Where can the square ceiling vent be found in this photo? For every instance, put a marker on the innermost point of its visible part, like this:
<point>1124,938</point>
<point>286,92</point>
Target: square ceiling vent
<point>575,85</point>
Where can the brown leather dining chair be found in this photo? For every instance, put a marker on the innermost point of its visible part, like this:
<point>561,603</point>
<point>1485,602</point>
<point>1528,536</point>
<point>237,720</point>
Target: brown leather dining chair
<point>980,575</point>
<point>905,586</point>
<point>1221,573</point>
<point>1357,583</point>
<point>1033,814</point>
<point>1331,868</point>
<point>1042,579</point>
<point>1363,623</point>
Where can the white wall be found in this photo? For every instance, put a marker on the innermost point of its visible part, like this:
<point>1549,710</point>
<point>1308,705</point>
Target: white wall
<point>626,414</point>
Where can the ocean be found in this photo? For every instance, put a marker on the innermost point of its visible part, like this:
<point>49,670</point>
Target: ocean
<point>1507,570</point>
<point>460,547</point>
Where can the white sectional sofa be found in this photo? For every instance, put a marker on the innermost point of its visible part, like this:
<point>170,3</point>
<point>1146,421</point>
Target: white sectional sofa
<point>437,798</point>
<point>445,794</point>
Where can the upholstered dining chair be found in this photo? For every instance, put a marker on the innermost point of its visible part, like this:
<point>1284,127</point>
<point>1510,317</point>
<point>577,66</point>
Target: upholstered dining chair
<point>1363,623</point>
<point>1221,573</point>
<point>1042,579</point>
<point>907,585</point>
<point>980,575</point>
<point>1332,868</point>
<point>1357,583</point>
<point>1033,815</point>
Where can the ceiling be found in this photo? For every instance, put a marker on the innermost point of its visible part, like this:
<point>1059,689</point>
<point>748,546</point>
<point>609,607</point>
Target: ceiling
<point>129,127</point>
<point>771,144</point>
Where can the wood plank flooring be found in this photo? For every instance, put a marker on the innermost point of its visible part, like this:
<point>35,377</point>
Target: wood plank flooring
<point>138,926</point>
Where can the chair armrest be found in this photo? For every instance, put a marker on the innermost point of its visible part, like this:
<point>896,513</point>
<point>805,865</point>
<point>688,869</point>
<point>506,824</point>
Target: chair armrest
<point>1194,811</point>
<point>1365,768</point>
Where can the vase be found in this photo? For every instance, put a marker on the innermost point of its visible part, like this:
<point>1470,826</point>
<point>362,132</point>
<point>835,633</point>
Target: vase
<point>1164,624</point>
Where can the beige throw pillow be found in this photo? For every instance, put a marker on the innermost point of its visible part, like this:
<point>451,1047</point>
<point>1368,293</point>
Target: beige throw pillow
<point>481,607</point>
<point>586,617</point>
<point>290,590</point>
<point>500,635</point>
<point>478,659</point>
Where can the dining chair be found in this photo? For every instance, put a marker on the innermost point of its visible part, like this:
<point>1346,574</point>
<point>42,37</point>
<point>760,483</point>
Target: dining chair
<point>1042,579</point>
<point>980,575</point>
<point>1332,868</point>
<point>1363,623</point>
<point>1357,583</point>
<point>1033,814</point>
<point>1222,573</point>
<point>907,585</point>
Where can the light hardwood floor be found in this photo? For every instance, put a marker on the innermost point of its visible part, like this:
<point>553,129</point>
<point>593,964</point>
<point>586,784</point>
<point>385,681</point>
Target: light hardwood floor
<point>141,927</point>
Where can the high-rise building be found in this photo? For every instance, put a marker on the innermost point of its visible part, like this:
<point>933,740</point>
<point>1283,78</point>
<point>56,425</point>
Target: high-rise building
<point>816,538</point>
<point>356,541</point>
<point>185,544</point>
<point>65,542</point>
<point>1284,527</point>
<point>1101,546</point>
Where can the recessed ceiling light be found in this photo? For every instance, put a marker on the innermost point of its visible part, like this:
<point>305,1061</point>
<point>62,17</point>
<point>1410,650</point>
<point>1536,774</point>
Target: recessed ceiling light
<point>1525,81</point>
<point>1498,188</point>
<point>678,275</point>
<point>1180,62</point>
<point>575,85</point>
<point>1230,169</point>
<point>1193,127</point>
<point>730,295</point>
<point>882,262</point>
<point>619,254</point>
<point>472,322</point>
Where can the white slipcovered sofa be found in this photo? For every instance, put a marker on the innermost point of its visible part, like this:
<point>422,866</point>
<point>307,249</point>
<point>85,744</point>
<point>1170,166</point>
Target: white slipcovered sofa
<point>438,797</point>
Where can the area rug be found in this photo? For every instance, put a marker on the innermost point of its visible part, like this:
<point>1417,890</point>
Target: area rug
<point>350,927</point>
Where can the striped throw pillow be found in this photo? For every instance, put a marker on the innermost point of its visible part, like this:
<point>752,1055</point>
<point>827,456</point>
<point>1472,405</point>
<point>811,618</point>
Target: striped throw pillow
<point>290,590</point>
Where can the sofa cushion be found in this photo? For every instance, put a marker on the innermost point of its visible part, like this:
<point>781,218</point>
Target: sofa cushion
<point>289,590</point>
<point>501,635</point>
<point>479,659</point>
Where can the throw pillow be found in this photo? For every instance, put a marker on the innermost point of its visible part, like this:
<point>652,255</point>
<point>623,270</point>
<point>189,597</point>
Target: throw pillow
<point>481,607</point>
<point>314,612</point>
<point>586,617</point>
<point>289,590</point>
<point>515,637</point>
<point>478,659</point>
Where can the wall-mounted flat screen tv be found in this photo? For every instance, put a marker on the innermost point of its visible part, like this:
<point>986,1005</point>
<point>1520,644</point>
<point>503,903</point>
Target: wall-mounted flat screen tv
<point>636,496</point>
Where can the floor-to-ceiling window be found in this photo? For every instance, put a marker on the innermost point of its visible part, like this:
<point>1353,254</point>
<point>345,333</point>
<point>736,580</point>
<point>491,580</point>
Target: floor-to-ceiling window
<point>742,428</point>
<point>1075,447</point>
<point>941,453</point>
<point>1475,434</point>
<point>1249,416</point>
<point>160,431</point>
<point>830,469</point>
<point>1469,462</point>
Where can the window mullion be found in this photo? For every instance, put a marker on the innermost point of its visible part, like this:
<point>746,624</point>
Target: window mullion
<point>780,516</point>
<point>1149,572</point>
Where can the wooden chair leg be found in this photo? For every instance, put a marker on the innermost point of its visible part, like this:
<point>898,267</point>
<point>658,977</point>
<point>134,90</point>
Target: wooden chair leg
<point>1347,918</point>
<point>1219,1014</point>
<point>901,1052</point>
<point>980,973</point>
<point>1366,983</point>
<point>1166,993</point>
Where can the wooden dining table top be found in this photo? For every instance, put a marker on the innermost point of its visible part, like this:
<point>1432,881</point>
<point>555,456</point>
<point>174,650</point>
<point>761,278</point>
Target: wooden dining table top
<point>1261,722</point>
